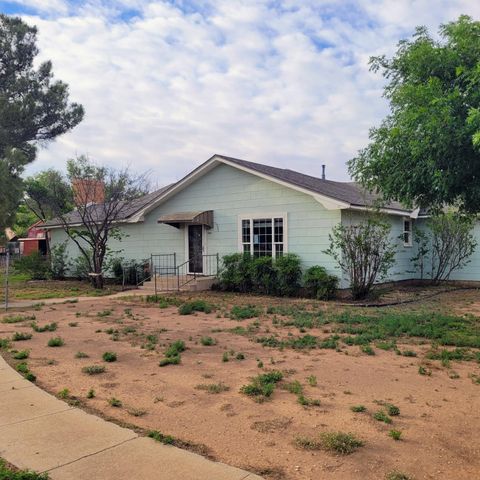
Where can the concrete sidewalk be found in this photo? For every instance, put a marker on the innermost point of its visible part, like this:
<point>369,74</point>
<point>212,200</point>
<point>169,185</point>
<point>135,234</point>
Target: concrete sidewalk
<point>42,433</point>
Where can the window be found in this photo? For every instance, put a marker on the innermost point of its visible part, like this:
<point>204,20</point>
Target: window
<point>407,232</point>
<point>263,236</point>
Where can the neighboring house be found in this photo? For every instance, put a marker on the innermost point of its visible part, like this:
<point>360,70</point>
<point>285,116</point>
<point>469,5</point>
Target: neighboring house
<point>229,205</point>
<point>35,241</point>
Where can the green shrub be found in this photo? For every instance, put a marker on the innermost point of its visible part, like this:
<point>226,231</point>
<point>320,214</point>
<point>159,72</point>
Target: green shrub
<point>35,265</point>
<point>396,475</point>
<point>109,357</point>
<point>289,275</point>
<point>194,306</point>
<point>243,312</point>
<point>264,275</point>
<point>20,336</point>
<point>262,386</point>
<point>208,341</point>
<point>319,284</point>
<point>235,274</point>
<point>56,342</point>
<point>21,355</point>
<point>59,261</point>
<point>175,348</point>
<point>81,355</point>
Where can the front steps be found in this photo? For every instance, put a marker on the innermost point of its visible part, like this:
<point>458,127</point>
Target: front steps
<point>183,283</point>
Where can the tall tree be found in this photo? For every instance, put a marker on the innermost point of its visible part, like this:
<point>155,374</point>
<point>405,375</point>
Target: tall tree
<point>426,152</point>
<point>101,198</point>
<point>34,109</point>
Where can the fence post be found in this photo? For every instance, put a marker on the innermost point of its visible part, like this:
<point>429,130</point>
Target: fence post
<point>151,265</point>
<point>218,261</point>
<point>7,265</point>
<point>155,282</point>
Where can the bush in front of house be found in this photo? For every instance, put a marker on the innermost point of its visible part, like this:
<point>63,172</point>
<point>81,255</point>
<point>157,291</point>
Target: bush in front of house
<point>281,276</point>
<point>319,284</point>
<point>35,265</point>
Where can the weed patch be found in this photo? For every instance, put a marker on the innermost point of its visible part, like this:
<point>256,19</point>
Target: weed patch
<point>17,318</point>
<point>244,312</point>
<point>194,306</point>
<point>262,386</point>
<point>21,336</point>
<point>208,341</point>
<point>21,355</point>
<point>160,437</point>
<point>109,357</point>
<point>56,342</point>
<point>49,327</point>
<point>93,369</point>
<point>213,387</point>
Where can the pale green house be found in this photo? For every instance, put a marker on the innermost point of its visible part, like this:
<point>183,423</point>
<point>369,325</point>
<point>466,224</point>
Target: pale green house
<point>229,205</point>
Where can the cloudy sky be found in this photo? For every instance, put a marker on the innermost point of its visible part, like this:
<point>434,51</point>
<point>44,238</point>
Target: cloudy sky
<point>166,84</point>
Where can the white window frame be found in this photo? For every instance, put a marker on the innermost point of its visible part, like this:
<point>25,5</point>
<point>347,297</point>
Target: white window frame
<point>259,216</point>
<point>409,232</point>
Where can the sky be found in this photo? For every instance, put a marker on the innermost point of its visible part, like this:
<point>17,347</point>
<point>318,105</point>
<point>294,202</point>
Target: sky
<point>167,84</point>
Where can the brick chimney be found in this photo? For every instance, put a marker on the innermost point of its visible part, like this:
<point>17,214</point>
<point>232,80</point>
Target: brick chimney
<point>87,191</point>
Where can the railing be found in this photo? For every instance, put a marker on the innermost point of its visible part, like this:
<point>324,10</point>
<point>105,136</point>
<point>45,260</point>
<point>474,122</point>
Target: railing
<point>210,265</point>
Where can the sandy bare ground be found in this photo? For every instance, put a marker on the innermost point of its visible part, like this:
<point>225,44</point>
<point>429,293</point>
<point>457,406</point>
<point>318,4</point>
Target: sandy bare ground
<point>440,415</point>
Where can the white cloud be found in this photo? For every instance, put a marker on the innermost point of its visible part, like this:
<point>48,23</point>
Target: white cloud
<point>165,84</point>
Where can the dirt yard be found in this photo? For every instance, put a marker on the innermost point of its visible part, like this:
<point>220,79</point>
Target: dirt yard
<point>199,402</point>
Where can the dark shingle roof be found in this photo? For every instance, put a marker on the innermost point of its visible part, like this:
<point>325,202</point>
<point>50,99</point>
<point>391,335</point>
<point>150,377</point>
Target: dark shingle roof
<point>97,210</point>
<point>349,192</point>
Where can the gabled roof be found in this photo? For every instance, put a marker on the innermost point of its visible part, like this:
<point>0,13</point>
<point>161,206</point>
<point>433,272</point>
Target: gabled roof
<point>332,195</point>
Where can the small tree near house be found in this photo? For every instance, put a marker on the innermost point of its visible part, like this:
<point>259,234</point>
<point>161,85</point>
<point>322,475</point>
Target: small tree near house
<point>444,246</point>
<point>364,252</point>
<point>101,197</point>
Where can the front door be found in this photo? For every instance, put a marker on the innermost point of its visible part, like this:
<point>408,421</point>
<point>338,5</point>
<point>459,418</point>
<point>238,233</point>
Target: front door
<point>195,248</point>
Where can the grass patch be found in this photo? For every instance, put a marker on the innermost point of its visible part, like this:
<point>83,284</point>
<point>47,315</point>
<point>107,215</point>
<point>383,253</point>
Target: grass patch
<point>64,394</point>
<point>21,355</point>
<point>208,341</point>
<point>244,312</point>
<point>109,357</point>
<point>213,387</point>
<point>91,393</point>
<point>194,306</point>
<point>336,442</point>
<point>21,336</point>
<point>457,331</point>
<point>7,473</point>
<point>172,354</point>
<point>358,408</point>
<point>17,318</point>
<point>104,313</point>
<point>262,386</point>
<point>396,475</point>
<point>56,342</point>
<point>82,355</point>
<point>115,402</point>
<point>308,402</point>
<point>93,369</point>
<point>312,380</point>
<point>293,387</point>
<point>340,443</point>
<point>160,437</point>
<point>395,434</point>
<point>49,327</point>
<point>381,416</point>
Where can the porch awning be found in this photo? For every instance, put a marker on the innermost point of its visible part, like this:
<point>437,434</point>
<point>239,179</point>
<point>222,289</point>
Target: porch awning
<point>204,217</point>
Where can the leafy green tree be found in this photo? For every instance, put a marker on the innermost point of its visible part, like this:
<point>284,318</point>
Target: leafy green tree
<point>34,109</point>
<point>426,152</point>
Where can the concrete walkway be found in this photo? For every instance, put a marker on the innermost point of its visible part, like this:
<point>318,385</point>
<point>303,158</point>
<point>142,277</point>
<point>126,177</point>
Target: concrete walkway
<point>40,432</point>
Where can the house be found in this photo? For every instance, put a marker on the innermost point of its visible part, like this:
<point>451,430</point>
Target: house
<point>35,241</point>
<point>229,205</point>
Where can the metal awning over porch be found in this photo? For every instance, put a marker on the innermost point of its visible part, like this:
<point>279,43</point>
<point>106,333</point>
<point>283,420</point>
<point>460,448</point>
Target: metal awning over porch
<point>204,217</point>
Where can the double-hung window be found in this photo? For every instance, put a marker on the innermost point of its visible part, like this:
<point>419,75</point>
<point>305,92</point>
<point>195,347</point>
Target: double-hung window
<point>263,236</point>
<point>407,232</point>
